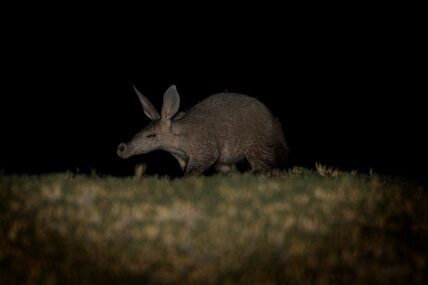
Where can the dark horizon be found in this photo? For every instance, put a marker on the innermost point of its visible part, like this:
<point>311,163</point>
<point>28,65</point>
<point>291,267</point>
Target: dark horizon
<point>348,103</point>
<point>83,132</point>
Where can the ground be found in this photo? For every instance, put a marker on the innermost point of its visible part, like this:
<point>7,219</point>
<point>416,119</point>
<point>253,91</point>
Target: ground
<point>294,227</point>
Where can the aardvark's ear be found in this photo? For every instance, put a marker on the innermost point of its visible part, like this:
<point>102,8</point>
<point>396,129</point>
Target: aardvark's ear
<point>148,108</point>
<point>171,103</point>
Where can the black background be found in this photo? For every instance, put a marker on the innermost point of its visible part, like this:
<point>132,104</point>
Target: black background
<point>348,90</point>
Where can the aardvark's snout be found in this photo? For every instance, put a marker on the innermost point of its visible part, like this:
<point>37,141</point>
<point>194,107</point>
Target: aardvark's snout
<point>122,150</point>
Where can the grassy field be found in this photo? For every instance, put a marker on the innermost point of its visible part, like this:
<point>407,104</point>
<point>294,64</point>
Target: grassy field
<point>296,227</point>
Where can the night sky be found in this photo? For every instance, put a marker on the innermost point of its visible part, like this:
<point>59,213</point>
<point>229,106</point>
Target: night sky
<point>347,96</point>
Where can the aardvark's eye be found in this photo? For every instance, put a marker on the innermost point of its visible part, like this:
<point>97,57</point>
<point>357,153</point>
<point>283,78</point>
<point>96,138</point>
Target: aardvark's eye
<point>151,136</point>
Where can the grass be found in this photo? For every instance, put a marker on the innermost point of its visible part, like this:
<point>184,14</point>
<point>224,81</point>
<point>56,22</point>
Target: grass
<point>296,227</point>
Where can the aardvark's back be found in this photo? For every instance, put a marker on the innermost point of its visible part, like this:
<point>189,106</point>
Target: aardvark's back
<point>241,127</point>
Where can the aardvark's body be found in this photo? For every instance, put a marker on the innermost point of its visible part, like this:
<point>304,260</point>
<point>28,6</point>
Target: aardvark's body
<point>221,130</point>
